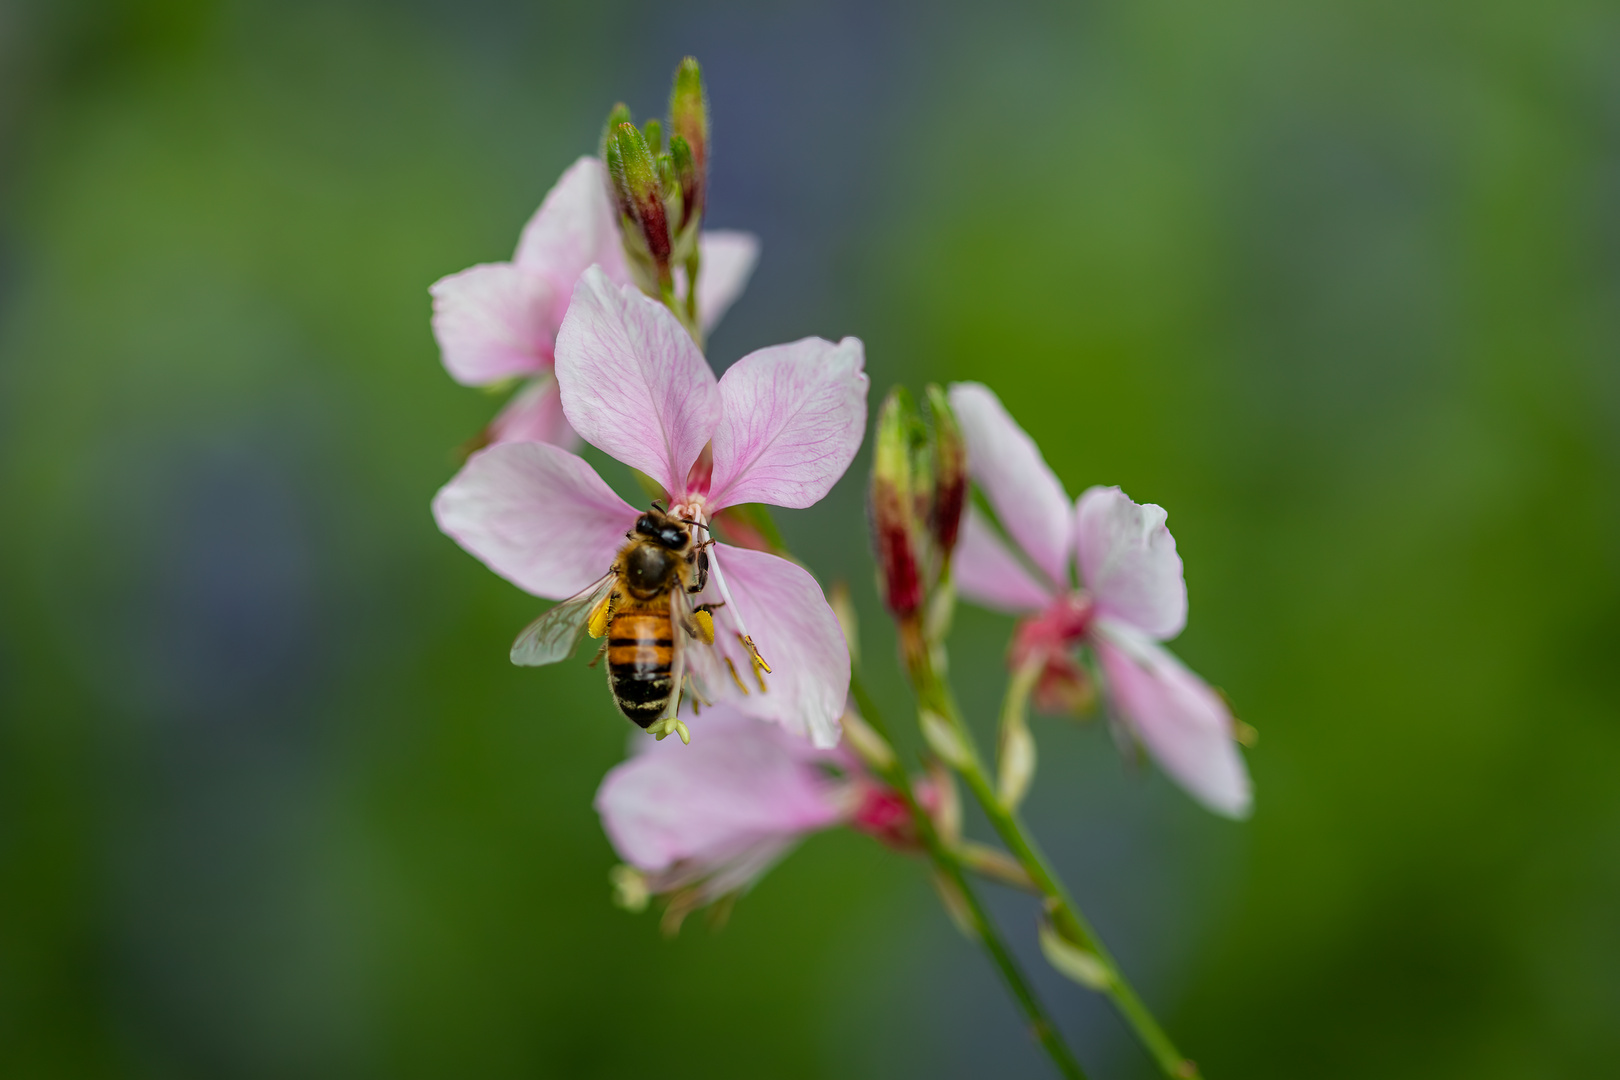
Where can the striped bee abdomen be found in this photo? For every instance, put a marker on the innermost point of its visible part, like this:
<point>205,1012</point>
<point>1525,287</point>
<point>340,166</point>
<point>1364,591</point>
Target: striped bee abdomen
<point>641,647</point>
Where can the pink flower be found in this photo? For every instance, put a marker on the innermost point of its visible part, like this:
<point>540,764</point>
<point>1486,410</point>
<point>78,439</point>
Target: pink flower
<point>1132,597</point>
<point>780,428</point>
<point>499,321</point>
<point>711,818</point>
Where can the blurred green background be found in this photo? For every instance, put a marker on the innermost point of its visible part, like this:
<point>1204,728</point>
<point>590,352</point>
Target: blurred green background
<point>1338,285</point>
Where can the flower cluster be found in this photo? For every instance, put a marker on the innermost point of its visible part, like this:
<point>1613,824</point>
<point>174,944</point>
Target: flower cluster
<point>712,631</point>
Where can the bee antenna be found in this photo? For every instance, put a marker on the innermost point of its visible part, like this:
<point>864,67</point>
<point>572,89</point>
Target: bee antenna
<point>658,504</point>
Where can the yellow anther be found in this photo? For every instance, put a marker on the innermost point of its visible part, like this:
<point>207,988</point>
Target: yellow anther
<point>686,736</point>
<point>596,624</point>
<point>734,678</point>
<point>705,626</point>
<point>759,661</point>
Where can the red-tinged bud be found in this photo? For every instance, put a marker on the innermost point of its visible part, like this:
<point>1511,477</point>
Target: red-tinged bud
<point>950,477</point>
<point>640,183</point>
<point>882,813</point>
<point>689,120</point>
<point>892,507</point>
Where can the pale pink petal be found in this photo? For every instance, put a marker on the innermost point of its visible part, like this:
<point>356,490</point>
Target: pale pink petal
<point>536,515</point>
<point>792,417</point>
<point>785,612</point>
<point>987,573</point>
<point>1128,561</point>
<point>534,415</point>
<point>1007,465</point>
<point>1183,723</point>
<point>728,259</point>
<point>739,783</point>
<point>633,383</point>
<point>495,321</point>
<point>575,226</point>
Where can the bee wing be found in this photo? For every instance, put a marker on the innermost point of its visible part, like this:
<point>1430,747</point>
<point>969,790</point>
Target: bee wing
<point>555,635</point>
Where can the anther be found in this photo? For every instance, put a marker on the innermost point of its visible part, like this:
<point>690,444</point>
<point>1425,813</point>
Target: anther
<point>734,678</point>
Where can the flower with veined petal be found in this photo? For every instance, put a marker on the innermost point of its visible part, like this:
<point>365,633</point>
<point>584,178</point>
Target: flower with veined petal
<point>782,426</point>
<point>1132,596</point>
<point>705,821</point>
<point>499,321</point>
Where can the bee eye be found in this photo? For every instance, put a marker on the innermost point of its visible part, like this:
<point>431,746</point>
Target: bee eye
<point>646,526</point>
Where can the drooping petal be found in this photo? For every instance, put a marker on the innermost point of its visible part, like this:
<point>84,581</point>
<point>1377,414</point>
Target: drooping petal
<point>1129,563</point>
<point>739,783</point>
<point>987,573</point>
<point>1183,723</point>
<point>1007,465</point>
<point>633,382</point>
<point>536,515</point>
<point>534,415</point>
<point>494,321</point>
<point>785,612</point>
<point>728,259</point>
<point>575,226</point>
<point>792,417</point>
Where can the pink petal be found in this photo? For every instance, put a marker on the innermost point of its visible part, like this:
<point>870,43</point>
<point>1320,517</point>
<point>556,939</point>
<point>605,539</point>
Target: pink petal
<point>494,321</point>
<point>727,262</point>
<point>1007,465</point>
<point>741,782</point>
<point>575,226</point>
<point>536,515</point>
<point>633,383</point>
<point>1129,563</point>
<point>796,632</point>
<point>791,420</point>
<point>987,573</point>
<point>1183,723</point>
<point>534,415</point>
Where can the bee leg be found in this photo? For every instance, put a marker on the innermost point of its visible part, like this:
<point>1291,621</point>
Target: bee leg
<point>599,654</point>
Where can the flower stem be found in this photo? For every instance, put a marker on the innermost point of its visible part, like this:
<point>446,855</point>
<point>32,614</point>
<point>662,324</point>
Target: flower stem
<point>949,864</point>
<point>934,694</point>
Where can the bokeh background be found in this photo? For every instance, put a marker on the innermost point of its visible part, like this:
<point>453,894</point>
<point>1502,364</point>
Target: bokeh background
<point>1337,284</point>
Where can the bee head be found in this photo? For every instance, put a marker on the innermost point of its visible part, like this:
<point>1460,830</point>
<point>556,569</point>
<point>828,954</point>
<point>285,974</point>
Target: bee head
<point>659,527</point>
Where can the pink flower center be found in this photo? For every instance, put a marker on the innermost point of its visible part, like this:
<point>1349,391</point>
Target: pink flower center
<point>1048,639</point>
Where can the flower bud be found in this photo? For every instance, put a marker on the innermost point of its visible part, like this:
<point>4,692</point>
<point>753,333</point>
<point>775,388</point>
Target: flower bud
<point>950,478</point>
<point>653,132</point>
<point>892,507</point>
<point>635,177</point>
<point>680,154</point>
<point>689,120</point>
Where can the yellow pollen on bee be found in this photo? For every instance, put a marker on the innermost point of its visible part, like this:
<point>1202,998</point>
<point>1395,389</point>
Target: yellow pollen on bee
<point>596,624</point>
<point>705,626</point>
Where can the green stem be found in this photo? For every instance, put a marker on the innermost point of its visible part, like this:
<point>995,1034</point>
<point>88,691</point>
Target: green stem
<point>950,865</point>
<point>934,694</point>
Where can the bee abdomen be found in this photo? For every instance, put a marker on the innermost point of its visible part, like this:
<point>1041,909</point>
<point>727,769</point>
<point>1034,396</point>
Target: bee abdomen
<point>640,650</point>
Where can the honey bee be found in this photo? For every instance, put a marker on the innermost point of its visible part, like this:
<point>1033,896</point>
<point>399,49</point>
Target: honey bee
<point>643,606</point>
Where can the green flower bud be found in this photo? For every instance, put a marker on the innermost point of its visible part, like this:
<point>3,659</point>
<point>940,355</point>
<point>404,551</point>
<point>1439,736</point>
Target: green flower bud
<point>949,468</point>
<point>689,119</point>
<point>892,506</point>
<point>640,180</point>
<point>653,132</point>
<point>680,153</point>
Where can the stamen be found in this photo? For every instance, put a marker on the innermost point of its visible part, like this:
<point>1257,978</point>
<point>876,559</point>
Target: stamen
<point>759,662</point>
<point>736,615</point>
<point>733,669</point>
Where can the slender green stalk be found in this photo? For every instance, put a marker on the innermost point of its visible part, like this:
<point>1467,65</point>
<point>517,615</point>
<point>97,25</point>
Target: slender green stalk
<point>950,865</point>
<point>934,694</point>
